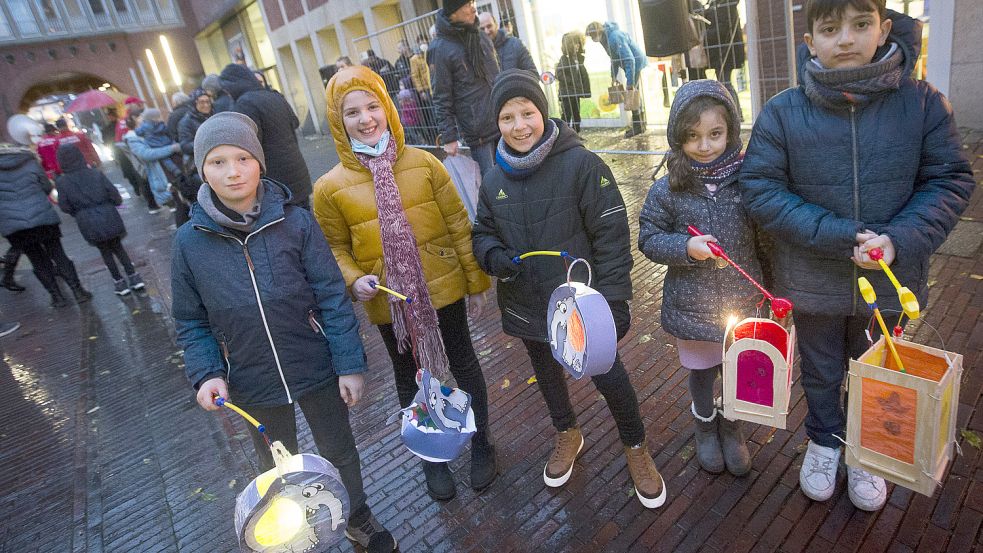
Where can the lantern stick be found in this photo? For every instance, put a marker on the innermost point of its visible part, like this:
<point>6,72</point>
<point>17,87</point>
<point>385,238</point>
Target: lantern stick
<point>518,259</point>
<point>909,303</point>
<point>391,292</point>
<point>222,402</point>
<point>867,291</point>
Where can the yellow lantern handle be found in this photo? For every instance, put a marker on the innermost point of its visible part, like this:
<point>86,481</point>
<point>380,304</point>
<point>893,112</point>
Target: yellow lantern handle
<point>887,271</point>
<point>517,259</point>
<point>391,292</point>
<point>222,402</point>
<point>867,291</point>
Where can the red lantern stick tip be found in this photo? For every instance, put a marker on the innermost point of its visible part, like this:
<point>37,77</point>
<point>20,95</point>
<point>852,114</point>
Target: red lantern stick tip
<point>876,254</point>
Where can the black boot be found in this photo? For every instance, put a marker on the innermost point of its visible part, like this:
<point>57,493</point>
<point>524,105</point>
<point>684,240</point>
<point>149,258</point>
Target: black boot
<point>9,283</point>
<point>57,299</point>
<point>9,263</point>
<point>484,467</point>
<point>440,483</point>
<point>81,294</point>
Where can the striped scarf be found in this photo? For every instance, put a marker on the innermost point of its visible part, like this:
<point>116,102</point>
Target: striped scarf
<point>404,269</point>
<point>716,172</point>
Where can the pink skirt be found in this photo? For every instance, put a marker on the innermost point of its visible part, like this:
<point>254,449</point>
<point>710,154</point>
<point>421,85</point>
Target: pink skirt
<point>698,354</point>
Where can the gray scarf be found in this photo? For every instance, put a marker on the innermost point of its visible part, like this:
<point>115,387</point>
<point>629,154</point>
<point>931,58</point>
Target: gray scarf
<point>223,215</point>
<point>523,165</point>
<point>842,88</point>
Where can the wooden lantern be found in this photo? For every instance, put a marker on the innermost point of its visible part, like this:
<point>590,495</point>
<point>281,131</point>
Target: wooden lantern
<point>757,371</point>
<point>901,426</point>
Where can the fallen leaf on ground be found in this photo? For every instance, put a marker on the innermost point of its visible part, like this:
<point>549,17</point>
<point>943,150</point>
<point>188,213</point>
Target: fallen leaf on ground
<point>644,338</point>
<point>972,438</point>
<point>532,380</point>
<point>505,383</point>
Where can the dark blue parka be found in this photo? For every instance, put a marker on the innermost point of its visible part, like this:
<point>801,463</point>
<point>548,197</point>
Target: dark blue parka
<point>24,189</point>
<point>87,195</point>
<point>814,177</point>
<point>268,312</point>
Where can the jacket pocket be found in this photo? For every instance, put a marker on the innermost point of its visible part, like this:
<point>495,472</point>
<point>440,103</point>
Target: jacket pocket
<point>223,345</point>
<point>315,324</point>
<point>446,254</point>
<point>511,313</point>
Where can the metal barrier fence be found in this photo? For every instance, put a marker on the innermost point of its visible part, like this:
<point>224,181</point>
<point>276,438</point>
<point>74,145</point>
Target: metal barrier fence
<point>724,54</point>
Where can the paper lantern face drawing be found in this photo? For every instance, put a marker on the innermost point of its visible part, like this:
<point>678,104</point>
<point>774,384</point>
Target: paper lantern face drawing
<point>757,371</point>
<point>581,329</point>
<point>901,425</point>
<point>439,423</point>
<point>305,509</point>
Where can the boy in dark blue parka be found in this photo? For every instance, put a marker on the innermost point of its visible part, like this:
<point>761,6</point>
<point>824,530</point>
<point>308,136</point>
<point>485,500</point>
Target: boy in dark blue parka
<point>262,312</point>
<point>860,156</point>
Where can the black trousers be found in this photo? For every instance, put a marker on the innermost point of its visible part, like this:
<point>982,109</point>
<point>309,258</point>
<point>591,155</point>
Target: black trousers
<point>49,259</point>
<point>571,111</point>
<point>613,385</point>
<point>114,248</point>
<point>452,321</point>
<point>327,416</point>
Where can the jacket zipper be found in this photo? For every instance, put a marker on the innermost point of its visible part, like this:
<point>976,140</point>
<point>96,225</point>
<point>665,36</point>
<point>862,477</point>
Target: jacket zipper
<point>856,195</point>
<point>228,363</point>
<point>516,315</point>
<point>259,300</point>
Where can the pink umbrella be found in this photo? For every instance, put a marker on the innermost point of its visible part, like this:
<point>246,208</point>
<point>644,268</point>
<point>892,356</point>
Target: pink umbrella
<point>94,99</point>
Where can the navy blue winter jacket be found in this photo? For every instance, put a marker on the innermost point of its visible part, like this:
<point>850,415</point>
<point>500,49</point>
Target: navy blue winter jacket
<point>813,178</point>
<point>24,189</point>
<point>87,195</point>
<point>267,312</point>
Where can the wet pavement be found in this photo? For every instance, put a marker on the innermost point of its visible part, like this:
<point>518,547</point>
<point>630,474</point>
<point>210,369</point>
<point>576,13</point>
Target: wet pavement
<point>103,448</point>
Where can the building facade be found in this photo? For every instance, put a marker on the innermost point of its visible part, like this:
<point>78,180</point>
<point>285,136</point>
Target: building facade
<point>63,46</point>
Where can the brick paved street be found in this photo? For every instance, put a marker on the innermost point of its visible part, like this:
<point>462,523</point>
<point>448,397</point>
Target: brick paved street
<point>103,449</point>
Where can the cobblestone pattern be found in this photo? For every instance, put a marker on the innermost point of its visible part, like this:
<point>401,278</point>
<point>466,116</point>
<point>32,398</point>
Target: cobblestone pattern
<point>104,448</point>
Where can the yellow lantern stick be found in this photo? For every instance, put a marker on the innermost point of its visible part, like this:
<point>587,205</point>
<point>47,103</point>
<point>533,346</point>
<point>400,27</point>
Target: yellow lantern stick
<point>909,303</point>
<point>518,259</point>
<point>222,402</point>
<point>867,291</point>
<point>391,292</point>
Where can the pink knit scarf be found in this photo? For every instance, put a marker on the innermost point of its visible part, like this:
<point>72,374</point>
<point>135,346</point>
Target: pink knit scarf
<point>404,269</point>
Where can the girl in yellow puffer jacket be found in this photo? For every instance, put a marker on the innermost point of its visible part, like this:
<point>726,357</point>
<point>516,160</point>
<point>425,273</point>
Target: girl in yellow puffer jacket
<point>392,216</point>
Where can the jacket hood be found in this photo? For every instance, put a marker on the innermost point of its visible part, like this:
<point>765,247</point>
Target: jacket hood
<point>500,38</point>
<point>906,32</point>
<point>12,157</point>
<point>151,127</point>
<point>358,77</point>
<point>70,158</point>
<point>238,79</point>
<point>565,140</point>
<point>452,30</point>
<point>689,92</point>
<point>275,196</point>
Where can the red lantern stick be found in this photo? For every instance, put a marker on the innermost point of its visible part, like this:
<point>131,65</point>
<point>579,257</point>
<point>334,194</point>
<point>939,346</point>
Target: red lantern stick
<point>779,306</point>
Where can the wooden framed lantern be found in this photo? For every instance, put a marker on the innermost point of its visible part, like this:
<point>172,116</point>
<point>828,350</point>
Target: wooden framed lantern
<point>757,371</point>
<point>901,426</point>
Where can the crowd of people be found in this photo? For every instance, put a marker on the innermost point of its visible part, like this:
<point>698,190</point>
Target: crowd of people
<point>266,272</point>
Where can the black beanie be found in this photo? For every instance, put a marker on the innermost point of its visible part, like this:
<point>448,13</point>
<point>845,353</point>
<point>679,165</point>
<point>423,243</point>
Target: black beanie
<point>514,83</point>
<point>451,6</point>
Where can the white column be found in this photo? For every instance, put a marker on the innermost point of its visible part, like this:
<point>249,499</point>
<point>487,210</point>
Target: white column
<point>940,45</point>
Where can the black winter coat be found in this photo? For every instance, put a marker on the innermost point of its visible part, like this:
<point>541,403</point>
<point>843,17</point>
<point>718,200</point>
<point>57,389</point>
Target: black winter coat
<point>461,98</point>
<point>87,195</point>
<point>24,189</point>
<point>572,77</point>
<point>187,129</point>
<point>512,54</point>
<point>814,177</point>
<point>570,203</point>
<point>277,129</point>
<point>724,40</point>
<point>225,101</point>
<point>697,296</point>
<point>174,120</point>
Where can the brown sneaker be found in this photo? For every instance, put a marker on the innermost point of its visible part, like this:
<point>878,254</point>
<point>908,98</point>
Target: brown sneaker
<point>649,486</point>
<point>558,469</point>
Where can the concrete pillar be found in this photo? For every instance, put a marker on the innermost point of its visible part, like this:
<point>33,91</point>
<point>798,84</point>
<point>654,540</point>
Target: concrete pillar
<point>955,60</point>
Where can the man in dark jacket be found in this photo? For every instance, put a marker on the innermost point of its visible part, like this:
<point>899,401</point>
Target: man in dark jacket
<point>182,105</point>
<point>860,156</point>
<point>463,66</point>
<point>512,53</point>
<point>384,69</point>
<point>277,130</point>
<point>222,100</point>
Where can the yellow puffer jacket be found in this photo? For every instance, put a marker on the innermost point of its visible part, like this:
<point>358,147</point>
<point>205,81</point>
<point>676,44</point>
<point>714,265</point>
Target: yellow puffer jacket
<point>344,205</point>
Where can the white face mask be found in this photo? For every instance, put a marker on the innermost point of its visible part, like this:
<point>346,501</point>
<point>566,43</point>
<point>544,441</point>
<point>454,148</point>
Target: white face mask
<point>424,46</point>
<point>374,151</point>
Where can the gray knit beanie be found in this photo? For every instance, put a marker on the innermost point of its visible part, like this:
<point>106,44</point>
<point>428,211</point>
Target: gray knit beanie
<point>514,83</point>
<point>211,83</point>
<point>693,90</point>
<point>227,128</point>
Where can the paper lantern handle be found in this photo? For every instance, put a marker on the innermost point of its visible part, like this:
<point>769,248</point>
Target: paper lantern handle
<point>570,270</point>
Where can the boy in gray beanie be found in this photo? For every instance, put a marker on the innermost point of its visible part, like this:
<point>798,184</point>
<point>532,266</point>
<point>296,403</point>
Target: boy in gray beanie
<point>244,271</point>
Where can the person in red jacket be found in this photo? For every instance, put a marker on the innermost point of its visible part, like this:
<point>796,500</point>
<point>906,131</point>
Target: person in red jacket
<point>68,136</point>
<point>48,150</point>
<point>134,107</point>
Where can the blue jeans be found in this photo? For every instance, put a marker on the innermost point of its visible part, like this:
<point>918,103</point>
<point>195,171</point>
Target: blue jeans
<point>826,345</point>
<point>484,155</point>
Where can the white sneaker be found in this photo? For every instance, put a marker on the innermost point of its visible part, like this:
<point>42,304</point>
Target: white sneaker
<point>817,478</point>
<point>867,492</point>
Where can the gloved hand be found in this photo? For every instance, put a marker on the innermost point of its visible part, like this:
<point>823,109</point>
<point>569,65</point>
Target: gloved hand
<point>501,265</point>
<point>622,317</point>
